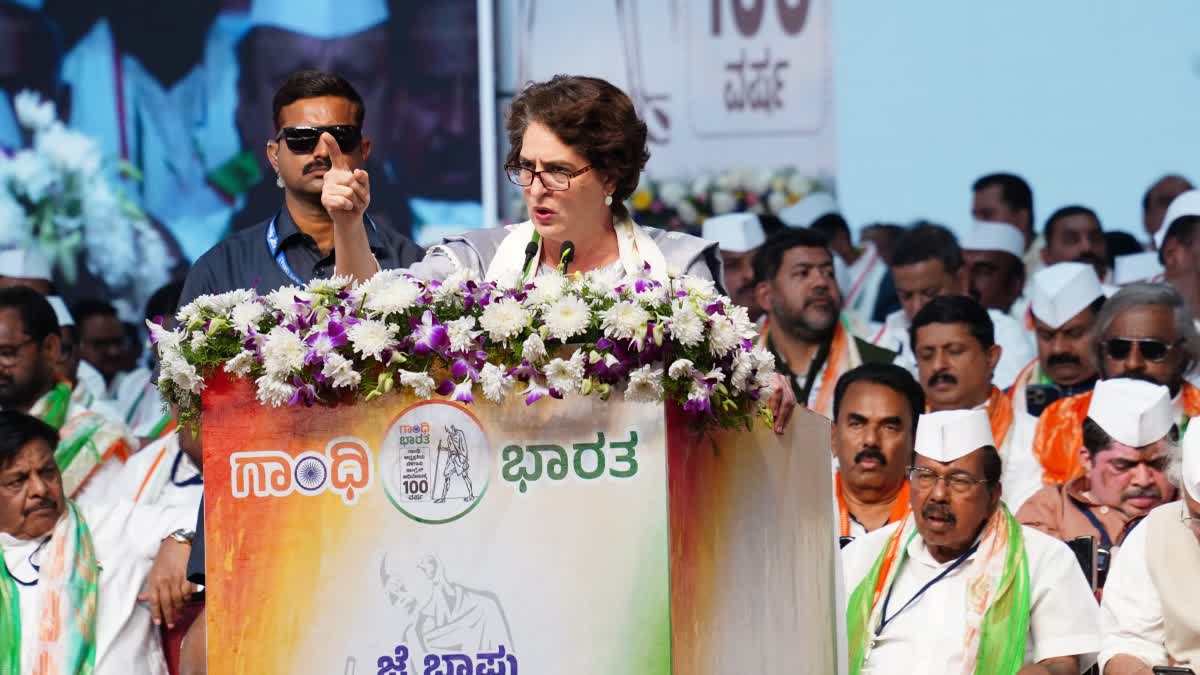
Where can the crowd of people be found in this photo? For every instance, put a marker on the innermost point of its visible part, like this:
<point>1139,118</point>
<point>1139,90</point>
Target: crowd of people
<point>1017,488</point>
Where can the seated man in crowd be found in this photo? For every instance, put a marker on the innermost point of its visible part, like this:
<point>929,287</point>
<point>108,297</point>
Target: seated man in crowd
<point>956,356</point>
<point>959,586</point>
<point>995,270</point>
<point>1074,234</point>
<point>1144,332</point>
<point>93,447</point>
<point>929,263</point>
<point>738,235</point>
<point>1064,302</point>
<point>1150,615</point>
<point>1128,440</point>
<point>875,411</point>
<point>804,328</point>
<point>76,568</point>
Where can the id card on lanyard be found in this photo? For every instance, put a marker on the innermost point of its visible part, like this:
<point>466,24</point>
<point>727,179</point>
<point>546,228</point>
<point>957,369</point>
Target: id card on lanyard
<point>281,255</point>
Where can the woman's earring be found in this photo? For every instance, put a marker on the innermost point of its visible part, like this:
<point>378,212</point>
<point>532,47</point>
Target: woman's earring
<point>279,181</point>
<point>608,200</point>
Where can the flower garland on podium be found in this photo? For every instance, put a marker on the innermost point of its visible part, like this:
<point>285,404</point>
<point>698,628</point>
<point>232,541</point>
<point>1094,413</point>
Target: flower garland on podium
<point>586,334</point>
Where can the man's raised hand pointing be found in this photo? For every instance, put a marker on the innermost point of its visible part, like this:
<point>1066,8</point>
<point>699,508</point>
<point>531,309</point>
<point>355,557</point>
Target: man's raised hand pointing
<point>347,191</point>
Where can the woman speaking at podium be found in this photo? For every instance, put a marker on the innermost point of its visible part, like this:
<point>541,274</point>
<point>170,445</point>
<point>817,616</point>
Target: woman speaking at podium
<point>578,149</point>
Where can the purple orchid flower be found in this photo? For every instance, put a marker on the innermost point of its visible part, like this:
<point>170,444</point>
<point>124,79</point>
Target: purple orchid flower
<point>535,392</point>
<point>523,372</point>
<point>429,335</point>
<point>305,394</point>
<point>460,392</point>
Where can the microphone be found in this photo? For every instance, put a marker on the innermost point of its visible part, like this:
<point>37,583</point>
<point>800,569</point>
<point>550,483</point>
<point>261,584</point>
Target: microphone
<point>531,250</point>
<point>568,254</point>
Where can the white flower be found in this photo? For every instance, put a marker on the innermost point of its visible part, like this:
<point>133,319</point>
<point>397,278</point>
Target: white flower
<point>333,284</point>
<point>680,369</point>
<point>701,185</point>
<point>799,185</point>
<point>32,112</point>
<point>223,303</point>
<point>645,385</point>
<point>28,174</point>
<point>757,181</point>
<point>548,287</point>
<point>273,391</point>
<point>672,193</point>
<point>776,201</point>
<point>743,369</point>
<point>533,349</point>
<point>740,316</point>
<point>165,340</point>
<point>241,364</point>
<point>567,317</point>
<point>449,288</point>
<point>688,213</point>
<point>283,352</point>
<point>340,371</point>
<point>197,340</point>
<point>68,150</point>
<point>728,180</point>
<point>393,297</point>
<point>723,202</point>
<point>703,289</point>
<point>625,320</point>
<point>246,315</point>
<point>181,373</point>
<point>721,336</point>
<point>420,383</point>
<point>371,338</point>
<point>503,319</point>
<point>687,323</point>
<point>565,376</point>
<point>461,333</point>
<point>496,384</point>
<point>603,281</point>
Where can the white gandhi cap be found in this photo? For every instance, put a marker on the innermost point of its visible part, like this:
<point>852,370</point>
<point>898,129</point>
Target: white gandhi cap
<point>736,232</point>
<point>1133,267</point>
<point>61,311</point>
<point>1186,204</point>
<point>947,435</point>
<point>322,19</point>
<point>1133,412</point>
<point>806,211</point>
<point>1191,459</point>
<point>24,263</point>
<point>1001,237</point>
<point>1061,291</point>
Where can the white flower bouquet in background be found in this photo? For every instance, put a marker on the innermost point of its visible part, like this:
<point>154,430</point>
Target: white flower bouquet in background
<point>582,334</point>
<point>684,204</point>
<point>55,196</point>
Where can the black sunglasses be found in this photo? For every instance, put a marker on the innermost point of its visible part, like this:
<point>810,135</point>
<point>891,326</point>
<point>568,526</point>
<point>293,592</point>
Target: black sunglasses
<point>1150,349</point>
<point>302,140</point>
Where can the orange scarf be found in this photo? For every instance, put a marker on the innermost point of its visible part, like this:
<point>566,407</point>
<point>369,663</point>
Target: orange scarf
<point>1059,434</point>
<point>1000,413</point>
<point>900,507</point>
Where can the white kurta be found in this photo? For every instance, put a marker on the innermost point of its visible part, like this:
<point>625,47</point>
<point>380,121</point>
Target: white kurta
<point>863,280</point>
<point>1016,345</point>
<point>137,397</point>
<point>927,637</point>
<point>126,539</point>
<point>175,479</point>
<point>1131,615</point>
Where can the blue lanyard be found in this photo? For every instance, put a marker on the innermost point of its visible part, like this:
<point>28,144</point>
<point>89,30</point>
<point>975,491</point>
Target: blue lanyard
<point>1105,541</point>
<point>883,621</point>
<point>281,256</point>
<point>36,567</point>
<point>198,479</point>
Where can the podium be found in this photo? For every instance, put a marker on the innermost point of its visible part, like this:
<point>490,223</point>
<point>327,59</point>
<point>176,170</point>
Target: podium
<point>575,536</point>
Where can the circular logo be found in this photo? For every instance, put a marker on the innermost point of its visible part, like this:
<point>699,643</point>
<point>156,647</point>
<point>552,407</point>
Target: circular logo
<point>435,462</point>
<point>311,472</point>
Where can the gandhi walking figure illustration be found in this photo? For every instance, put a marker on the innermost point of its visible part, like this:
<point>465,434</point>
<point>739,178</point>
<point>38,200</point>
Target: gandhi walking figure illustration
<point>458,463</point>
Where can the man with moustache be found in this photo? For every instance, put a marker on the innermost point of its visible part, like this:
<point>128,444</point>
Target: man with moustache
<point>1150,615</point>
<point>875,411</point>
<point>959,586</point>
<point>93,446</point>
<point>957,353</point>
<point>738,236</point>
<point>1129,438</point>
<point>73,572</point>
<point>929,263</point>
<point>1074,234</point>
<point>1144,332</point>
<point>804,329</point>
<point>1065,300</point>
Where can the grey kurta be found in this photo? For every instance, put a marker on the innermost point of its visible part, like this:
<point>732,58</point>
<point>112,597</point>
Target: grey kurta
<point>475,250</point>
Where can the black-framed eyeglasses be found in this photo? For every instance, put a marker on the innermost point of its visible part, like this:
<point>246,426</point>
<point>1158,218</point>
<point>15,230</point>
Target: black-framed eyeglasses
<point>556,180</point>
<point>925,479</point>
<point>1119,348</point>
<point>10,353</point>
<point>302,140</point>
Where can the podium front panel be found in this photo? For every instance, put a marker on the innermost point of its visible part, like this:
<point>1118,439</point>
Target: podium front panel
<point>402,536</point>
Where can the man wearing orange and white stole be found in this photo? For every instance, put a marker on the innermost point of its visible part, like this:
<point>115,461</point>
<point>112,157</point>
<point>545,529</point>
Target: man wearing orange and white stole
<point>954,343</point>
<point>805,329</point>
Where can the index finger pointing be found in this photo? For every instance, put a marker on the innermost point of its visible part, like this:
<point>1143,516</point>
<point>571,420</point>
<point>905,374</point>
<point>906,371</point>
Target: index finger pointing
<point>336,158</point>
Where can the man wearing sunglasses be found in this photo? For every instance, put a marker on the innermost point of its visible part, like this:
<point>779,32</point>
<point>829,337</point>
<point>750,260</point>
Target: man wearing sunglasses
<point>1129,438</point>
<point>1144,332</point>
<point>1150,615</point>
<point>958,585</point>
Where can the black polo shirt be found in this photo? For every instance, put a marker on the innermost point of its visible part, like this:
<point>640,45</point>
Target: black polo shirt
<point>244,260</point>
